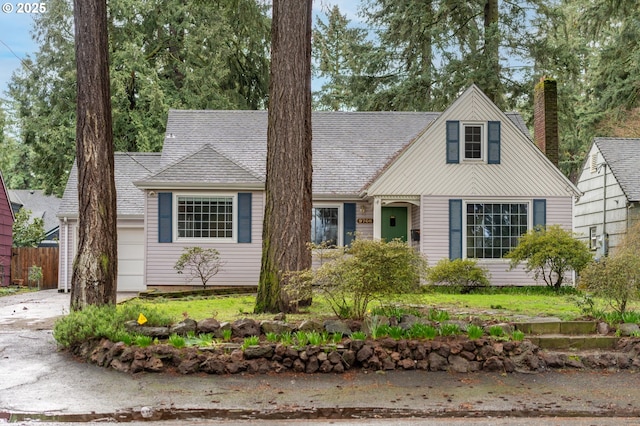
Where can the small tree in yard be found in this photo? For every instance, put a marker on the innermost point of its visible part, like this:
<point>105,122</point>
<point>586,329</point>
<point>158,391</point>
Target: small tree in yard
<point>199,263</point>
<point>550,253</point>
<point>617,278</point>
<point>369,269</point>
<point>27,232</point>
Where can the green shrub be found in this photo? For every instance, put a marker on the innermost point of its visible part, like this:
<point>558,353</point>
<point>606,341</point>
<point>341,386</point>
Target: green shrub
<point>315,339</point>
<point>271,336</point>
<point>302,338</point>
<point>463,275</point>
<point>550,253</point>
<point>613,279</point>
<point>631,317</point>
<point>96,322</point>
<point>394,311</point>
<point>227,334</point>
<point>123,337</point>
<point>177,341</point>
<point>250,341</point>
<point>374,325</point>
<point>422,331</point>
<point>358,335</point>
<point>204,339</point>
<point>286,338</point>
<point>143,341</point>
<point>617,278</point>
<point>438,315</point>
<point>396,332</point>
<point>517,336</point>
<point>475,332</point>
<point>449,329</point>
<point>92,322</point>
<point>367,270</point>
<point>496,331</point>
<point>336,338</point>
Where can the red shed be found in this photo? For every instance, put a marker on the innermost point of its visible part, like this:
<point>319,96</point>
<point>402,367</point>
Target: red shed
<point>6,234</point>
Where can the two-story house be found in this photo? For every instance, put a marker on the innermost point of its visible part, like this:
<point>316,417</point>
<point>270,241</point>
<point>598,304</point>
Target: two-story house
<point>466,182</point>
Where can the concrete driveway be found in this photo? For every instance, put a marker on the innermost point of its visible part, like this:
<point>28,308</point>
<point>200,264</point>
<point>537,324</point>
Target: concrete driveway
<point>40,384</point>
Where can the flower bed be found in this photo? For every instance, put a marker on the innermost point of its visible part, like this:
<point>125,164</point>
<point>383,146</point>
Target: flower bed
<point>455,353</point>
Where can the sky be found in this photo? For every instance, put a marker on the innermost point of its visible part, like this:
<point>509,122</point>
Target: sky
<point>16,42</point>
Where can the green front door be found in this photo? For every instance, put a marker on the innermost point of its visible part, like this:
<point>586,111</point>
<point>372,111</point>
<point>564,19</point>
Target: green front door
<point>394,223</point>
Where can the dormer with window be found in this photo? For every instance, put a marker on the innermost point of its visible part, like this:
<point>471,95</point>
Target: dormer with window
<point>473,142</point>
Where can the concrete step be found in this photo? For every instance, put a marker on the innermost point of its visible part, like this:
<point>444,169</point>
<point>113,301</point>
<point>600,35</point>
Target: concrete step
<point>572,328</point>
<point>560,342</point>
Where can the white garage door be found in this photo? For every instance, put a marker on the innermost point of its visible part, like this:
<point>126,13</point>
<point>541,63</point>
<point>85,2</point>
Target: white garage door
<point>131,259</point>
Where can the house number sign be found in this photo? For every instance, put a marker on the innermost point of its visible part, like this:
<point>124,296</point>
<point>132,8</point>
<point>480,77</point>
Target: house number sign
<point>365,220</point>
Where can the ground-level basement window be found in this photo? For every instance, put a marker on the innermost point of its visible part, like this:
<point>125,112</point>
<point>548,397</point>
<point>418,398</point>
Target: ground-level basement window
<point>492,229</point>
<point>205,217</point>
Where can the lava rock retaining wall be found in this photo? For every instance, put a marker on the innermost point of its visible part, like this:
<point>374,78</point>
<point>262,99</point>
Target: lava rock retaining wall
<point>456,354</point>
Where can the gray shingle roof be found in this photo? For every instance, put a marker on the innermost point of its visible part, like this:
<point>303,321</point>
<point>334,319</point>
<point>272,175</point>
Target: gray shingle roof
<point>349,148</point>
<point>623,158</point>
<point>204,166</point>
<point>129,167</point>
<point>42,206</point>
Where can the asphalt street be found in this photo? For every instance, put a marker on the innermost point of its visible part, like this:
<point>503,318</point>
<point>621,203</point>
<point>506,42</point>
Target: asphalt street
<point>41,385</point>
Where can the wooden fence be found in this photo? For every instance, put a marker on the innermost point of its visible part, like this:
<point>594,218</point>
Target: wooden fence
<point>22,258</point>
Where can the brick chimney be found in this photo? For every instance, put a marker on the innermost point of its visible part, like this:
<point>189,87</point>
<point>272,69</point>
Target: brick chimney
<point>545,118</point>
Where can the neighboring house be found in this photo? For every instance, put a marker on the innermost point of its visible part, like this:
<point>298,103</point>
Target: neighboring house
<point>130,206</point>
<point>610,183</point>
<point>463,183</point>
<point>6,234</point>
<point>41,206</point>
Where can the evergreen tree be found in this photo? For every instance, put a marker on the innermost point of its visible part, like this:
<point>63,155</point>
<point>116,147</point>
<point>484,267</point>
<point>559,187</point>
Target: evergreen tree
<point>339,51</point>
<point>95,267</point>
<point>286,230</point>
<point>164,54</point>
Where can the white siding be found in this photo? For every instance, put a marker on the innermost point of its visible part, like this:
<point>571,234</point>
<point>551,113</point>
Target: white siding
<point>422,167</point>
<point>67,253</point>
<point>241,260</point>
<point>434,241</point>
<point>130,254</point>
<point>589,208</point>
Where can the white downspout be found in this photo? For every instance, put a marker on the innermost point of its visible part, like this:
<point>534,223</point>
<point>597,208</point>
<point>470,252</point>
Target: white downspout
<point>66,256</point>
<point>377,218</point>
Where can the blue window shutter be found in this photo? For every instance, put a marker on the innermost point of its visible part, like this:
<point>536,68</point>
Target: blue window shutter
<point>539,213</point>
<point>165,212</point>
<point>493,142</point>
<point>455,229</point>
<point>244,217</point>
<point>453,141</point>
<point>349,225</point>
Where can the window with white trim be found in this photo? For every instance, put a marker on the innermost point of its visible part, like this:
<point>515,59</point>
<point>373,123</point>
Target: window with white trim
<point>493,229</point>
<point>326,225</point>
<point>473,141</point>
<point>204,216</point>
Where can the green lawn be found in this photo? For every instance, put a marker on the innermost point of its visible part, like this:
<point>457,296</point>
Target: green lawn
<point>9,291</point>
<point>494,303</point>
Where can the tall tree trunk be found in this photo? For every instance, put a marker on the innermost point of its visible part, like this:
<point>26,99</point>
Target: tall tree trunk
<point>95,267</point>
<point>492,51</point>
<point>287,222</point>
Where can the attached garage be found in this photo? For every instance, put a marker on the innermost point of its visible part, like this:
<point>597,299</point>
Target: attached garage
<point>130,221</point>
<point>131,259</point>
